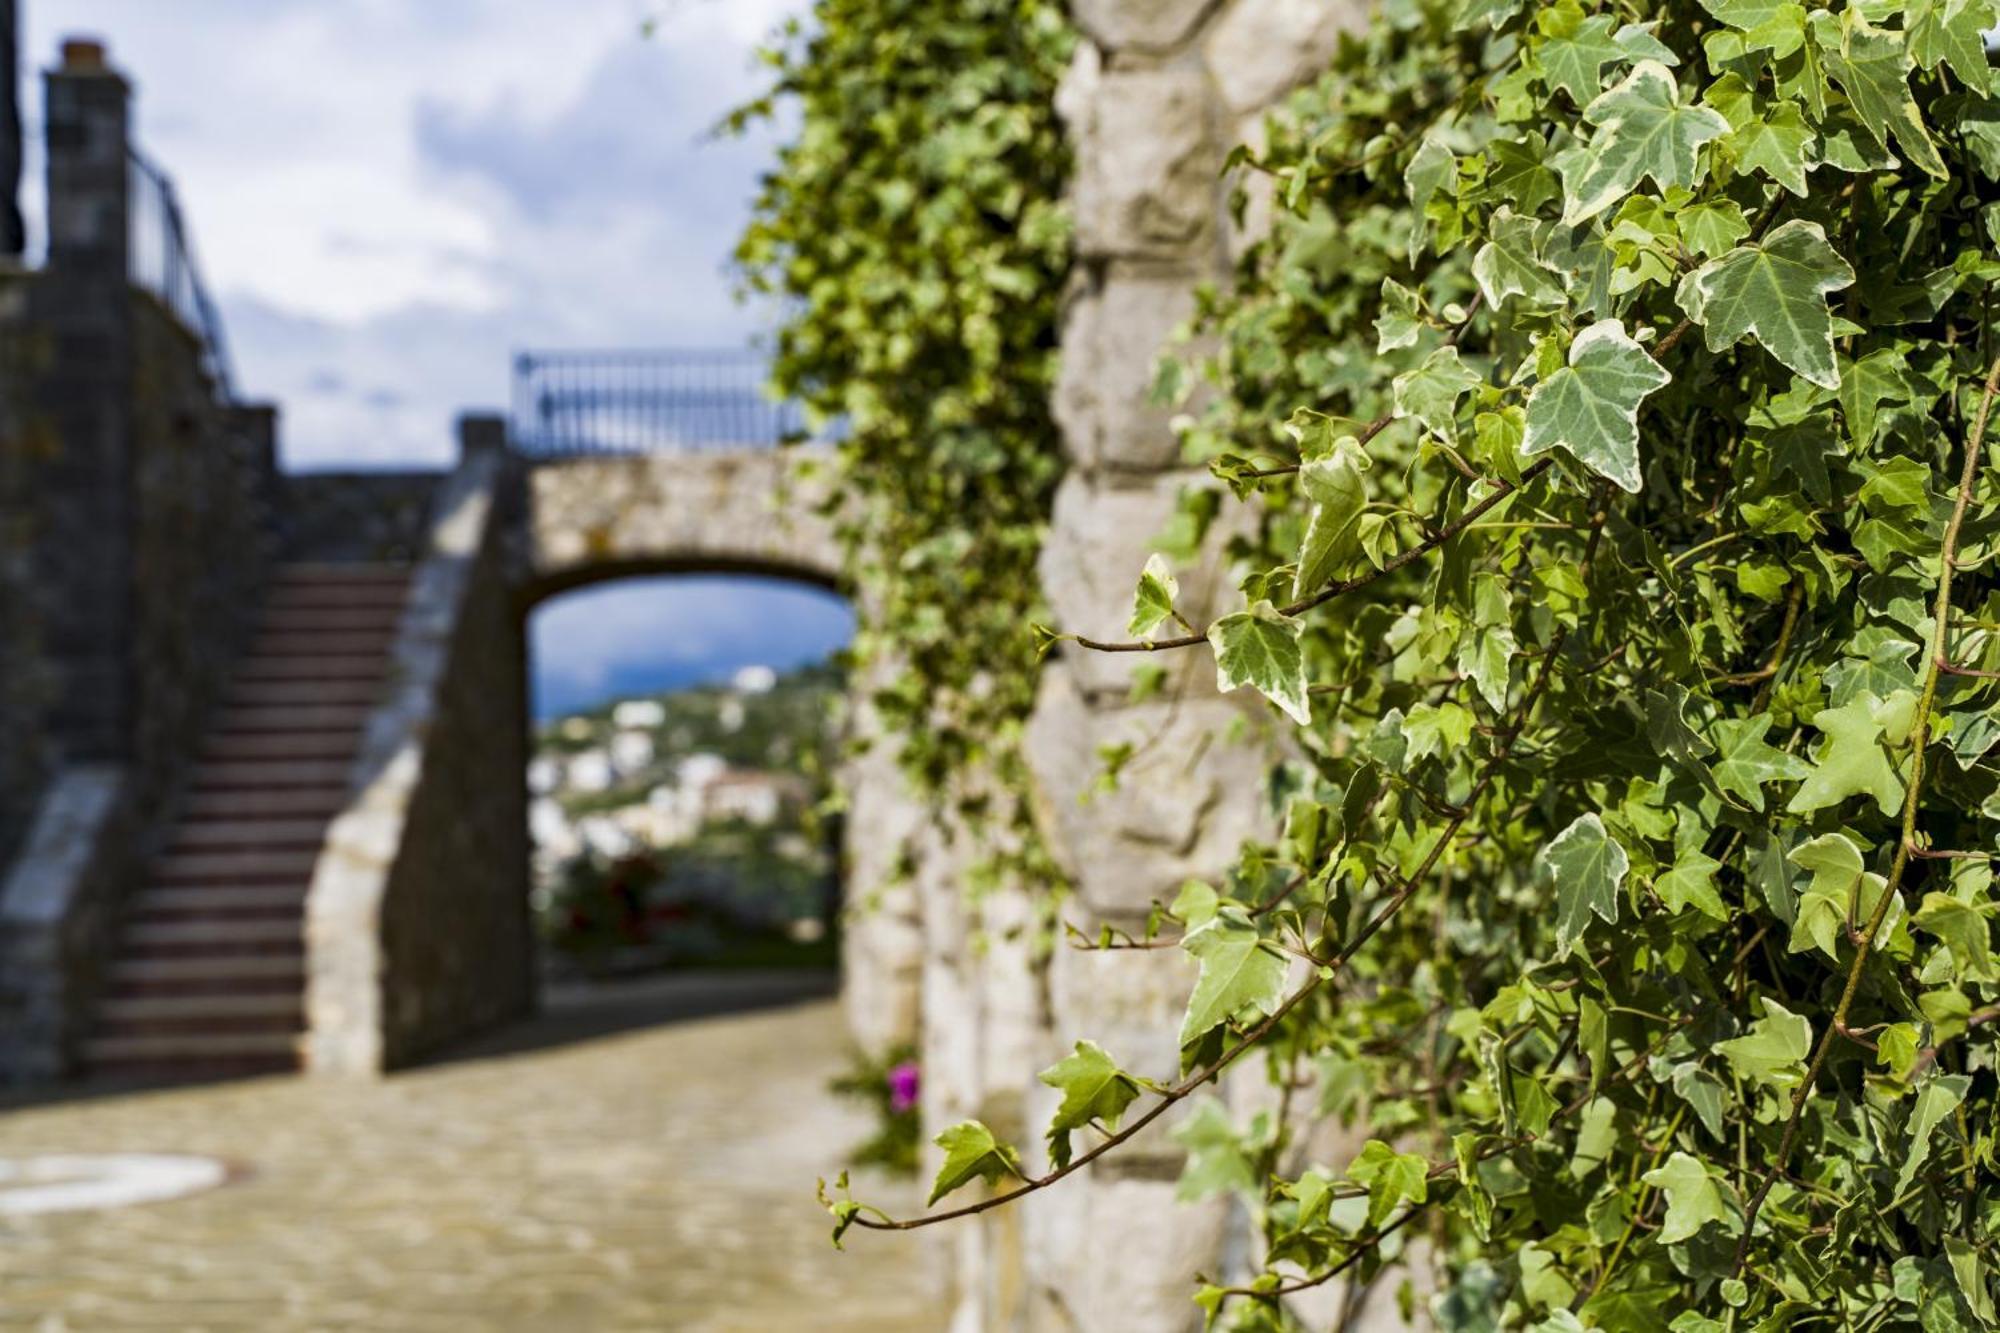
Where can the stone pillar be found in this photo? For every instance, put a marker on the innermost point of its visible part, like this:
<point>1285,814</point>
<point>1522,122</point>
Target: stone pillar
<point>481,433</point>
<point>83,494</point>
<point>1159,91</point>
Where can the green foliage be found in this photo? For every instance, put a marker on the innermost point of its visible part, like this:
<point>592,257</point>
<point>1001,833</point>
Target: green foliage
<point>913,226</point>
<point>1601,393</point>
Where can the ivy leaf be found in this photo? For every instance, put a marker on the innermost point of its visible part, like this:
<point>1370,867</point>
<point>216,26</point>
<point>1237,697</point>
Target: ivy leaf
<point>1872,67</point>
<point>1773,290</point>
<point>1241,972</point>
<point>1692,881</point>
<point>1400,319</point>
<point>1964,931</point>
<point>1938,1098</point>
<point>1391,1178</point>
<point>1216,1161</point>
<point>1744,761</point>
<point>1153,604</point>
<point>1828,903</point>
<point>1850,761</point>
<point>1950,32</point>
<point>1509,264</point>
<point>1774,1051</point>
<point>1777,26</point>
<point>1430,393</point>
<point>1484,656</point>
<point>1575,62</point>
<point>1710,229</point>
<point>971,1153</point>
<point>1779,145</point>
<point>1587,865</point>
<point>1093,1087</point>
<point>1694,1200</point>
<point>1260,648</point>
<point>1591,406</point>
<point>1332,541</point>
<point>1643,129</point>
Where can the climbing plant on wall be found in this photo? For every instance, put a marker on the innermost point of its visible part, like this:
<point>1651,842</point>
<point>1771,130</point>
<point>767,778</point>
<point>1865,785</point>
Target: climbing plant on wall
<point>914,227</point>
<point>1612,390</point>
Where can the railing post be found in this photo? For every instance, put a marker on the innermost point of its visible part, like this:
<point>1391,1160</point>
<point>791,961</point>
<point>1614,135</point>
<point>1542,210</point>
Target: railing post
<point>481,433</point>
<point>83,495</point>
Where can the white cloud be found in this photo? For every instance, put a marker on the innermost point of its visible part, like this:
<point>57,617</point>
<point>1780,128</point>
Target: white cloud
<point>390,195</point>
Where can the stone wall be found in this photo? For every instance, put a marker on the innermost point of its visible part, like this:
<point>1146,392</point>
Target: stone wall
<point>25,679</point>
<point>348,516</point>
<point>417,925</point>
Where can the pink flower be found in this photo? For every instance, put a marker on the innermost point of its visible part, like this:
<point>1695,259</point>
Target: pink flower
<point>904,1080</point>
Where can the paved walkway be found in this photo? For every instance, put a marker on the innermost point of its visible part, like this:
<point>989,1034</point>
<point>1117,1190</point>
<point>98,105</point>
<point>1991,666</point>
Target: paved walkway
<point>655,1178</point>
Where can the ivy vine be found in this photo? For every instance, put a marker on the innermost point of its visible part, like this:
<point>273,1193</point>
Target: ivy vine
<point>1612,390</point>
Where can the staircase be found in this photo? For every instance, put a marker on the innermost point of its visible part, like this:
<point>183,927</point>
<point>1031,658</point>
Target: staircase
<point>207,978</point>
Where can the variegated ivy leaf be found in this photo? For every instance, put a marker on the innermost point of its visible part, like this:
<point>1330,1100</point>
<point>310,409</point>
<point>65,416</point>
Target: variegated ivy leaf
<point>1694,1199</point>
<point>1093,1088</point>
<point>1510,263</point>
<point>1241,973</point>
<point>1643,129</point>
<point>1586,865</point>
<point>1832,901</point>
<point>1851,760</point>
<point>1153,604</point>
<point>1775,140</point>
<point>1872,66</point>
<point>1260,648</point>
<point>1937,1099</point>
<point>1430,393</point>
<point>1401,318</point>
<point>1951,32</point>
<point>1777,26</point>
<point>1774,1050</point>
<point>1591,406</point>
<point>1773,290</point>
<point>1333,540</point>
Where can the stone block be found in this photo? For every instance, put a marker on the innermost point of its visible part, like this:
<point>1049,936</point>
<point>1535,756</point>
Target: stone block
<point>1130,1002</point>
<point>1123,1253</point>
<point>1141,25</point>
<point>1192,792</point>
<point>1258,50</point>
<point>1146,163</point>
<point>1113,335</point>
<point>1099,537</point>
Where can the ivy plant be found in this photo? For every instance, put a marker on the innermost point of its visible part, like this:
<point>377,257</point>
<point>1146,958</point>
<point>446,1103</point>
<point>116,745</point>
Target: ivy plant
<point>1611,388</point>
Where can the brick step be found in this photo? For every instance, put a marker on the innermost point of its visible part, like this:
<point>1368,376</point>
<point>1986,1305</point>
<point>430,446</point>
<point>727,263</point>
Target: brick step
<point>195,835</point>
<point>213,941</point>
<point>128,975</point>
<point>255,867</point>
<point>230,1013</point>
<point>337,595</point>
<point>143,1053</point>
<point>282,745</point>
<point>349,669</point>
<point>232,903</point>
<point>269,775</point>
<point>298,719</point>
<point>317,803</point>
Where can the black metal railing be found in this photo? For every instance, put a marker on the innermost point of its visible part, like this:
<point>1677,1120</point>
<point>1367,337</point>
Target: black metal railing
<point>576,403</point>
<point>163,263</point>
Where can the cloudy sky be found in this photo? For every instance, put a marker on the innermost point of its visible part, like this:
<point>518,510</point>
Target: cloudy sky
<point>391,196</point>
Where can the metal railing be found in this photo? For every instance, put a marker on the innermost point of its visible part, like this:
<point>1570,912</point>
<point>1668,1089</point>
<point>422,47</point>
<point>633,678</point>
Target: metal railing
<point>163,263</point>
<point>569,404</point>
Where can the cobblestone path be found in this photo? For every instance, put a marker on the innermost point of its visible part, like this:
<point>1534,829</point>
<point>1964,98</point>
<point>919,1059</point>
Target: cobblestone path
<point>659,1178</point>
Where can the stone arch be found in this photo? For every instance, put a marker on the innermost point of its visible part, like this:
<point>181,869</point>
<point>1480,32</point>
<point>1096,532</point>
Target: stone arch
<point>755,512</point>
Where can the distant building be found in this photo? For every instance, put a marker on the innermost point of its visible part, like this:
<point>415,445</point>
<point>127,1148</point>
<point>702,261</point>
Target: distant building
<point>544,775</point>
<point>756,798</point>
<point>631,752</point>
<point>644,713</point>
<point>754,680</point>
<point>590,771</point>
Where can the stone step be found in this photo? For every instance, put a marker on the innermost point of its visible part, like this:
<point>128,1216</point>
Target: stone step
<point>291,619</point>
<point>213,940</point>
<point>218,973</point>
<point>246,833</point>
<point>307,745</point>
<point>297,719</point>
<point>253,867</point>
<point>333,645</point>
<point>230,1013</point>
<point>317,803</point>
<point>320,573</point>
<point>117,1054</point>
<point>343,669</point>
<point>282,694</point>
<point>236,902</point>
<point>269,775</point>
